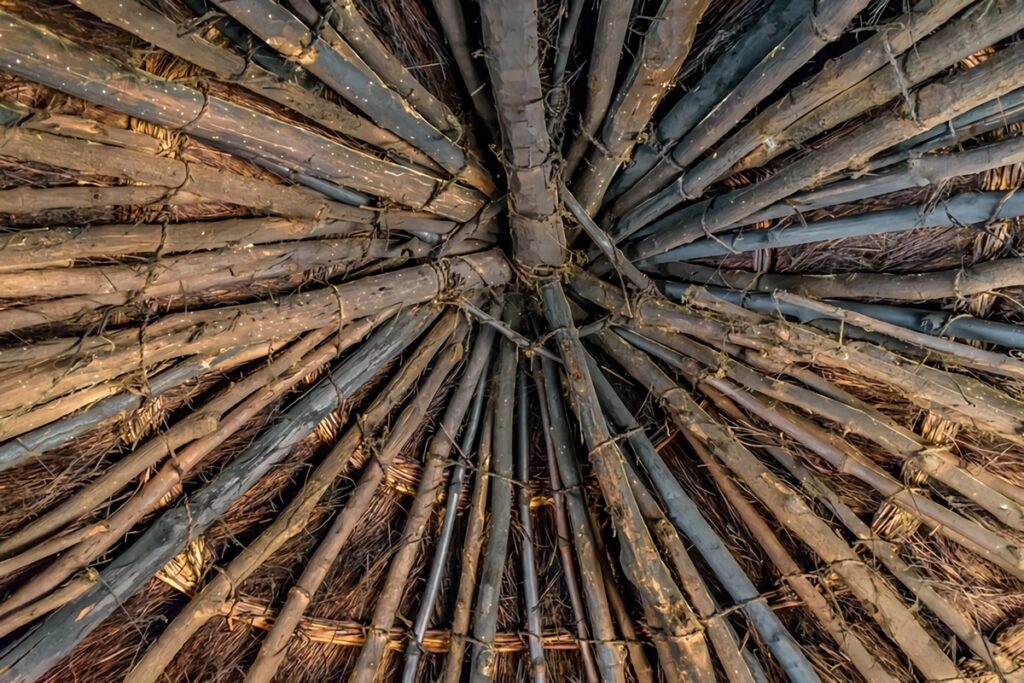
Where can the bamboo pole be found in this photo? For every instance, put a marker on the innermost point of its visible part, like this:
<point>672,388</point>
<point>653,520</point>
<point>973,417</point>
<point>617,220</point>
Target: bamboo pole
<point>934,323</point>
<point>920,170</point>
<point>349,22</point>
<point>26,200</point>
<point>40,56</point>
<point>91,129</point>
<point>601,240</point>
<point>187,272</point>
<point>662,52</point>
<point>294,518</point>
<point>557,92</point>
<point>831,620</point>
<point>531,590</point>
<point>957,622</point>
<point>987,408</point>
<point>50,547</point>
<point>32,417</point>
<point>933,104</point>
<point>248,44</point>
<point>177,180</point>
<point>218,419</point>
<point>963,354</point>
<point>431,481</point>
<point>453,23</point>
<point>847,459</point>
<point>719,633</point>
<point>937,463</point>
<point>1005,108</point>
<point>62,429</point>
<point>931,322</point>
<point>26,615</point>
<point>32,656</point>
<point>965,209</point>
<point>640,559</point>
<point>643,672</point>
<point>62,246</point>
<point>897,45</point>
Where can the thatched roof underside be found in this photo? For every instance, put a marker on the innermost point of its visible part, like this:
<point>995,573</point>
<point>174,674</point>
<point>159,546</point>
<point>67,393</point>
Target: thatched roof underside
<point>547,340</point>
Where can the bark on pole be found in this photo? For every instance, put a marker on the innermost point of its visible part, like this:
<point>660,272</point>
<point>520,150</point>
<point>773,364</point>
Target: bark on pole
<point>431,482</point>
<point>172,177</point>
<point>36,54</point>
<point>980,26</point>
<point>664,48</point>
<point>862,420</point>
<point>611,654</point>
<point>216,421</point>
<point>846,458</point>
<point>186,273</point>
<point>510,37</point>
<point>292,520</point>
<point>164,32</point>
<point>823,24</point>
<point>686,515</point>
<point>911,287</point>
<point>565,533</point>
<point>60,431</point>
<point>792,511</point>
<point>30,657</point>
<point>850,73</point>
<point>538,665</point>
<point>352,80</point>
<point>210,331</point>
<point>933,104</point>
<point>959,623</point>
<point>716,83</point>
<point>640,559</point>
